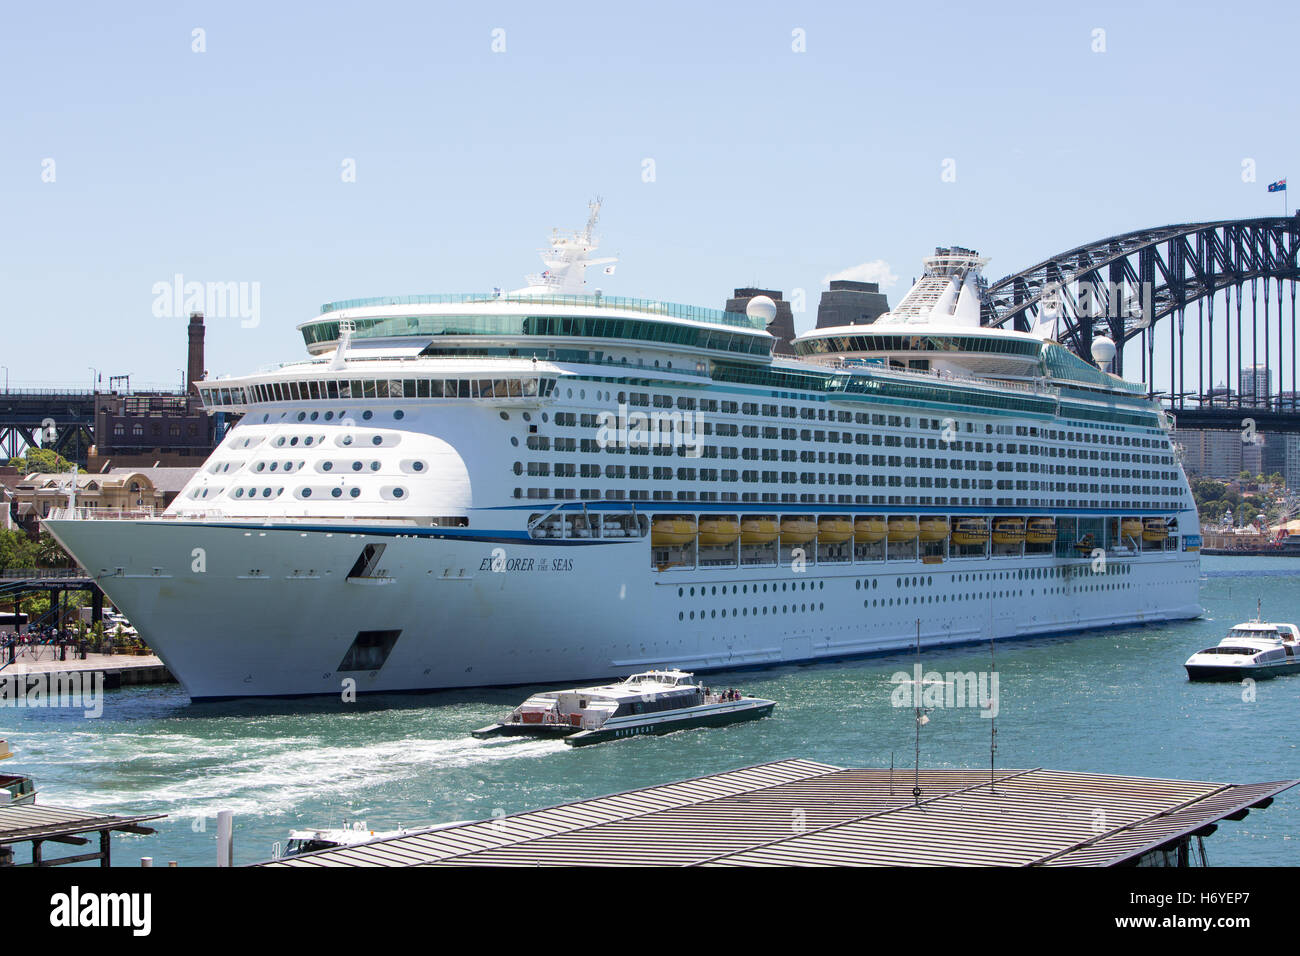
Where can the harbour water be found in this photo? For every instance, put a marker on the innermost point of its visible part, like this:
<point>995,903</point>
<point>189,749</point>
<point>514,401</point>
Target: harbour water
<point>1111,702</point>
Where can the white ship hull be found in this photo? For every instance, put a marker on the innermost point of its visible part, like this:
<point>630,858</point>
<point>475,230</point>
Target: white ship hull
<point>251,610</point>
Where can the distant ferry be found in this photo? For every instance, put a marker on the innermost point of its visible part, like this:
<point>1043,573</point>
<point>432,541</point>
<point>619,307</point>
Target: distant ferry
<point>1256,649</point>
<point>310,841</point>
<point>554,485</point>
<point>656,702</point>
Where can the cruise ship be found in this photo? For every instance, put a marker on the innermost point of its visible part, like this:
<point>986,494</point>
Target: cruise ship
<point>554,484</point>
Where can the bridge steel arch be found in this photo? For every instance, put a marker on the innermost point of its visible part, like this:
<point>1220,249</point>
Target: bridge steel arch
<point>1127,285</point>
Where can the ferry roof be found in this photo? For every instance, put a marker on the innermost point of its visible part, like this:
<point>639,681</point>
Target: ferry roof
<point>853,817</point>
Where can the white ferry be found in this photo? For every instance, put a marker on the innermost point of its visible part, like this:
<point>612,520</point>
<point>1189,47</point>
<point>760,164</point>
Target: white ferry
<point>354,834</point>
<point>656,702</point>
<point>555,484</point>
<point>1257,649</point>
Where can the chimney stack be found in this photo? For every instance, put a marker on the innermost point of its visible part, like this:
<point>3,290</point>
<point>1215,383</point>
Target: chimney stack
<point>194,371</point>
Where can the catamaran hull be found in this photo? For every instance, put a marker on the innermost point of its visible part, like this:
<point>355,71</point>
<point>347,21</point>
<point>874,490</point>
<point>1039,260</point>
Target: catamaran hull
<point>252,610</point>
<point>1205,672</point>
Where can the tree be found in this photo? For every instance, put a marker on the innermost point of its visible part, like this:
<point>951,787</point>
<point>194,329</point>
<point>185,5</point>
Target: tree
<point>17,550</point>
<point>42,460</point>
<point>50,553</point>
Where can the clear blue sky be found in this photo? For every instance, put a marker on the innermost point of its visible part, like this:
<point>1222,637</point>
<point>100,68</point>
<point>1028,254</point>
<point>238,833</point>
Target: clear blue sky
<point>773,167</point>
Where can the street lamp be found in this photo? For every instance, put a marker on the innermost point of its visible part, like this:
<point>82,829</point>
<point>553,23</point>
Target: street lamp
<point>94,375</point>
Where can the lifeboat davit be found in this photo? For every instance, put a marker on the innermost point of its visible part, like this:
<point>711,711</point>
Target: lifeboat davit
<point>834,530</point>
<point>903,529</point>
<point>1041,531</point>
<point>718,532</point>
<point>797,530</point>
<point>1008,530</point>
<point>869,529</point>
<point>756,530</point>
<point>672,532</point>
<point>934,529</point>
<point>970,531</point>
<point>1155,529</point>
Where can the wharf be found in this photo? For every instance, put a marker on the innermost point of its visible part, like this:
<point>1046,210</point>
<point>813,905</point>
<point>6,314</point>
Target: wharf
<point>119,670</point>
<point>803,813</point>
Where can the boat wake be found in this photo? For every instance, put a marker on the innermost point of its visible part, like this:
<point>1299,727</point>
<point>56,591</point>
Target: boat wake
<point>190,777</point>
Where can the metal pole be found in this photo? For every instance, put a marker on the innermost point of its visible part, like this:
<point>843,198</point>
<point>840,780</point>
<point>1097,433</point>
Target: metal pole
<point>1239,352</point>
<point>1254,339</point>
<point>225,837</point>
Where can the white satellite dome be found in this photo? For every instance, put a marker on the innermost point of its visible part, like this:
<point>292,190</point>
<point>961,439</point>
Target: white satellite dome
<point>1103,351</point>
<point>761,307</point>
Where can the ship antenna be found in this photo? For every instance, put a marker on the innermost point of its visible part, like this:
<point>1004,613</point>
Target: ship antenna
<point>993,720</point>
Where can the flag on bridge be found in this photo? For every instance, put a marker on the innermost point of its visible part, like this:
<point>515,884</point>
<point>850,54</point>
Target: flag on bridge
<point>1277,187</point>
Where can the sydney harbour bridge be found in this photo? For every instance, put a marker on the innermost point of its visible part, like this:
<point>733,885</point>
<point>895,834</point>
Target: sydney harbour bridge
<point>1220,295</point>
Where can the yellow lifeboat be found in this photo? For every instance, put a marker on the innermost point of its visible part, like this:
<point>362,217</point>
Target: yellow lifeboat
<point>834,530</point>
<point>1041,531</point>
<point>934,529</point>
<point>672,532</point>
<point>869,529</point>
<point>797,530</point>
<point>970,531</point>
<point>1008,530</point>
<point>1131,527</point>
<point>718,532</point>
<point>757,530</point>
<point>903,528</point>
<point>1155,529</point>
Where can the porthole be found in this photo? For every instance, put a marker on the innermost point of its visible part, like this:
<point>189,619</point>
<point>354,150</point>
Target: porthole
<point>356,466</point>
<point>306,492</point>
<point>355,492</point>
<point>399,414</point>
<point>399,492</point>
<point>377,440</point>
<point>337,492</point>
<point>302,416</point>
<point>315,415</point>
<point>329,416</point>
<point>514,440</point>
<point>417,466</point>
<point>327,466</point>
<point>367,415</point>
<point>374,466</point>
<point>347,440</point>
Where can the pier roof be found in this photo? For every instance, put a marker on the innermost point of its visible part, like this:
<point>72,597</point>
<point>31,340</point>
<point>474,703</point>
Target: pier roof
<point>800,812</point>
